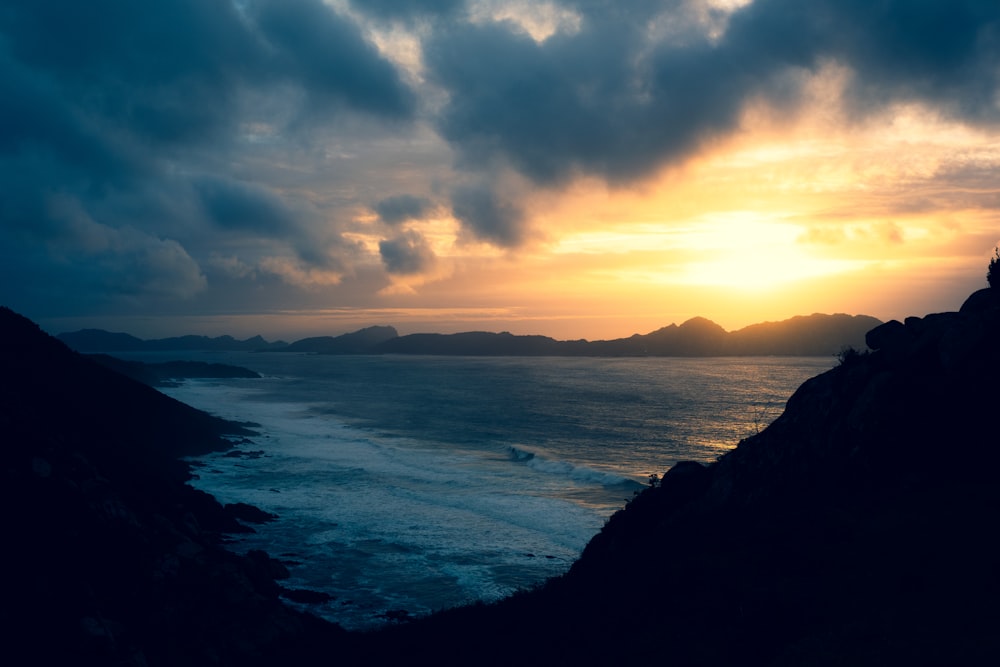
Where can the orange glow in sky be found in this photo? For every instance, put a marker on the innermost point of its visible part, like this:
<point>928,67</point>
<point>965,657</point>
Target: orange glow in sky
<point>821,217</point>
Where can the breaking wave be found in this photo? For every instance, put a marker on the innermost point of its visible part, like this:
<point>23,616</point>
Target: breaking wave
<point>577,473</point>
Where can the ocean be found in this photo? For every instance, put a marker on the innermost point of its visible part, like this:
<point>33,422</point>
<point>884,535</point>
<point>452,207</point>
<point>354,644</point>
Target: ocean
<point>406,485</point>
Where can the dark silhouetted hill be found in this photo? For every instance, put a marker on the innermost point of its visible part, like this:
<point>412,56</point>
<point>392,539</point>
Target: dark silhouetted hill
<point>812,335</point>
<point>98,340</point>
<point>357,342</point>
<point>474,343</point>
<point>857,529</point>
<point>109,557</point>
<point>697,337</point>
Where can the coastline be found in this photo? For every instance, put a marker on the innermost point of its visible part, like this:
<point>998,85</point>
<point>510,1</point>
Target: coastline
<point>114,558</point>
<point>855,529</point>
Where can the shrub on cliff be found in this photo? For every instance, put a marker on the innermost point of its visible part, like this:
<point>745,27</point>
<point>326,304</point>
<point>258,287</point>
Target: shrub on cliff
<point>993,271</point>
<point>849,356</point>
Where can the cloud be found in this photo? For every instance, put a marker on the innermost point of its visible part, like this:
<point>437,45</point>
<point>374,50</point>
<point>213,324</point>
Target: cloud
<point>618,99</point>
<point>400,208</point>
<point>326,54</point>
<point>240,206</point>
<point>124,261</point>
<point>295,272</point>
<point>480,210</point>
<point>939,53</point>
<point>230,266</point>
<point>231,151</point>
<point>156,119</point>
<point>881,233</point>
<point>161,74</point>
<point>602,100</point>
<point>406,254</point>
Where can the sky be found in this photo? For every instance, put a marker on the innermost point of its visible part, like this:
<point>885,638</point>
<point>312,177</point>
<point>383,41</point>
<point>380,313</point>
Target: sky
<point>575,168</point>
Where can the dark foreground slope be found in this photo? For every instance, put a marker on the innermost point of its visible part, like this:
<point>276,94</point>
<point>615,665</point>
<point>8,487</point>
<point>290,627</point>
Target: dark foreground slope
<point>858,529</point>
<point>109,557</point>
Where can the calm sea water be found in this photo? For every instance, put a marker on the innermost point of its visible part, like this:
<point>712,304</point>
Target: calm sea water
<point>421,483</point>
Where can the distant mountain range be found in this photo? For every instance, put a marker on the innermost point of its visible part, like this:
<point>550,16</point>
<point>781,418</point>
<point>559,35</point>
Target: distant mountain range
<point>811,335</point>
<point>99,340</point>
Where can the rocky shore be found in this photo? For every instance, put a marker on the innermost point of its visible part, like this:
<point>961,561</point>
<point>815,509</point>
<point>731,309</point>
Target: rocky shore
<point>110,557</point>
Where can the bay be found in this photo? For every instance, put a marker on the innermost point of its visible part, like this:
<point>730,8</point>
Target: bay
<point>408,484</point>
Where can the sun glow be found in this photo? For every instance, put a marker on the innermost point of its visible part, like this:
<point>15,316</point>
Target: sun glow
<point>738,251</point>
<point>735,250</point>
<point>790,216</point>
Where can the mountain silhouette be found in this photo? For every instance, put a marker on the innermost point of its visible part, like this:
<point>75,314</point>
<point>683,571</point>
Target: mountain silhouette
<point>98,340</point>
<point>812,335</point>
<point>357,342</point>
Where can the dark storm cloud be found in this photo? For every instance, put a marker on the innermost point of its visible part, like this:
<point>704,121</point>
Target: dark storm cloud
<point>329,57</point>
<point>240,206</point>
<point>610,101</point>
<point>406,254</point>
<point>585,102</point>
<point>483,212</point>
<point>161,71</point>
<point>168,71</point>
<point>939,52</point>
<point>120,120</point>
<point>400,208</point>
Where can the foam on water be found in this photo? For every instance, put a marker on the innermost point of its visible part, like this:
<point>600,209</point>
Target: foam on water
<point>385,523</point>
<point>565,469</point>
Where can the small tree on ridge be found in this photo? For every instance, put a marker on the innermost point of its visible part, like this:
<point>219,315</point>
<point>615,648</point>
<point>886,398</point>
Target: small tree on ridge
<point>993,271</point>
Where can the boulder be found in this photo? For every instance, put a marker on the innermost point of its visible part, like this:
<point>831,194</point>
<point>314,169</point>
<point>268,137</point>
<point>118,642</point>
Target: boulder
<point>981,300</point>
<point>891,334</point>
